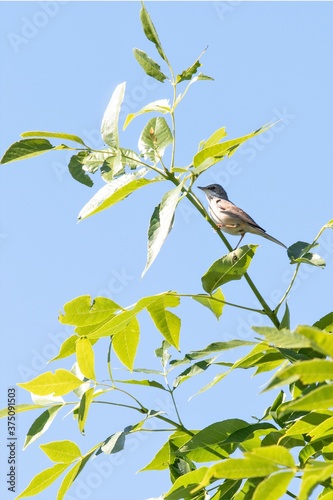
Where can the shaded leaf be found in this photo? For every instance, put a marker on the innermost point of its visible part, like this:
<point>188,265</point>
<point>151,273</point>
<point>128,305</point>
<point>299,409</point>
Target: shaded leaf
<point>148,383</point>
<point>195,369</point>
<point>150,67</point>
<point>84,406</point>
<point>26,148</point>
<point>41,424</point>
<point>325,323</point>
<point>114,443</point>
<point>150,31</point>
<point>161,224</point>
<point>285,321</point>
<point>229,267</point>
<point>109,127</point>
<point>298,253</point>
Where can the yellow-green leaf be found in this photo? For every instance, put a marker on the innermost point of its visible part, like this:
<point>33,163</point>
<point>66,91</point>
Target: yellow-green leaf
<point>84,406</point>
<point>59,383</point>
<point>61,451</point>
<point>85,357</point>
<point>41,424</point>
<point>273,487</point>
<point>43,480</point>
<point>125,343</point>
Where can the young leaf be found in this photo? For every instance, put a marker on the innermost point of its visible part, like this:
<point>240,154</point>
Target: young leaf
<point>150,31</point>
<point>76,170</point>
<point>161,224</point>
<point>85,403</point>
<point>189,72</point>
<point>109,127</point>
<point>149,65</point>
<point>213,302</point>
<point>285,321</point>
<point>83,311</point>
<point>56,135</point>
<point>68,480</point>
<point>85,358</point>
<point>215,153</point>
<point>114,192</point>
<point>42,480</point>
<point>67,348</point>
<point>215,138</point>
<point>125,343</point>
<point>154,139</point>
<point>165,321</point>
<point>230,267</point>
<point>26,148</point>
<point>298,253</point>
<point>160,106</point>
<point>61,451</point>
<point>59,383</point>
<point>41,424</point>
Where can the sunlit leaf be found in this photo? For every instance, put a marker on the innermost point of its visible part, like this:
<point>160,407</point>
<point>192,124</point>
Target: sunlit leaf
<point>308,372</point>
<point>189,72</point>
<point>56,135</point>
<point>84,310</point>
<point>61,451</point>
<point>321,341</point>
<point>165,321</point>
<point>183,486</point>
<point>43,480</point>
<point>59,383</point>
<point>273,487</point>
<point>155,138</point>
<point>84,407</point>
<point>214,302</point>
<point>41,424</point>
<point>319,398</point>
<point>161,224</point>
<point>314,473</point>
<point>160,106</point>
<point>125,343</point>
<point>85,358</point>
<point>195,369</point>
<point>229,267</point>
<point>109,127</point>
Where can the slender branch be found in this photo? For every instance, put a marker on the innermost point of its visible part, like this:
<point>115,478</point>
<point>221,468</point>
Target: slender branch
<point>259,311</point>
<point>109,363</point>
<point>288,289</point>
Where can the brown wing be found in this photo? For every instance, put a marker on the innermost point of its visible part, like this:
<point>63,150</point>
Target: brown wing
<point>229,208</point>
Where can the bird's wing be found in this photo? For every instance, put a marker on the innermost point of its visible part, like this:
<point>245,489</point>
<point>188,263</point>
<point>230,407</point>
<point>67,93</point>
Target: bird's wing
<point>227,207</point>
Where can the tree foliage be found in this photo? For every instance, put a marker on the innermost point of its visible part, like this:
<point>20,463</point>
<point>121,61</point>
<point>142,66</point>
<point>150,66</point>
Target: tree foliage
<point>230,459</point>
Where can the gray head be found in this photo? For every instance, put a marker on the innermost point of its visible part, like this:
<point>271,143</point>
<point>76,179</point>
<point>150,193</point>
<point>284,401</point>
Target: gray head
<point>214,191</point>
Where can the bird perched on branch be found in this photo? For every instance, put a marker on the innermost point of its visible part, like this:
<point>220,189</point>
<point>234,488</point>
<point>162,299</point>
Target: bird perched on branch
<point>229,218</point>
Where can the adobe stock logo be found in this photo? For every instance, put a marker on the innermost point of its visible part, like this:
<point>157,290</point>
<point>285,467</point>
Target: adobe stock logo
<point>30,27</point>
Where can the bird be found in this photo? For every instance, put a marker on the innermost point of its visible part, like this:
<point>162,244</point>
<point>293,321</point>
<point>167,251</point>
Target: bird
<point>230,218</point>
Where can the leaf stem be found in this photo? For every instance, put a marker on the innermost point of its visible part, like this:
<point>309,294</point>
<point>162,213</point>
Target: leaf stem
<point>259,311</point>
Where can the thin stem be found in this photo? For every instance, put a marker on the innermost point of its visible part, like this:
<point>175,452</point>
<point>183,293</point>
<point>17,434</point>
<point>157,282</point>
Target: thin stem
<point>118,404</point>
<point>259,311</point>
<point>288,289</point>
<point>291,494</point>
<point>109,363</point>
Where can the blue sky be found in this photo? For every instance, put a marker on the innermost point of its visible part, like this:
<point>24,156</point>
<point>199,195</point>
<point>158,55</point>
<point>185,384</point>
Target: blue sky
<point>61,62</point>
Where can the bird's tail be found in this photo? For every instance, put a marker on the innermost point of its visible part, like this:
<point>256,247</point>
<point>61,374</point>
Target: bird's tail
<point>269,237</point>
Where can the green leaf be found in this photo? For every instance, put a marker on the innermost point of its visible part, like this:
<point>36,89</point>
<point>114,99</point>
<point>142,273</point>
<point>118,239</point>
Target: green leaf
<point>228,268</point>
<point>163,354</point>
<point>155,138</point>
<point>150,31</point>
<point>298,253</point>
<point>41,424</point>
<point>314,473</point>
<point>114,443</point>
<point>325,323</point>
<point>109,127</point>
<point>84,406</point>
<point>308,372</point>
<point>323,429</point>
<point>114,192</point>
<point>214,434</point>
<point>309,423</point>
<point>319,398</point>
<point>320,340</point>
<point>227,490</point>
<point>210,155</point>
<point>165,321</point>
<point>160,106</point>
<point>56,135</point>
<point>85,358</point>
<point>195,369</point>
<point>214,302</point>
<point>21,408</point>
<point>125,343</point>
<point>147,383</point>
<point>42,480</point>
<point>161,224</point>
<point>273,487</point>
<point>215,138</point>
<point>130,158</point>
<point>189,72</point>
<point>150,67</point>
<point>26,148</point>
<point>184,485</point>
<point>216,347</point>
<point>68,480</point>
<point>61,451</point>
<point>84,310</point>
<point>59,383</point>
<point>282,338</point>
<point>67,348</point>
<point>285,321</point>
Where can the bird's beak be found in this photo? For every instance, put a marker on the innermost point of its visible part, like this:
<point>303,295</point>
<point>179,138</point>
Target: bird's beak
<point>199,187</point>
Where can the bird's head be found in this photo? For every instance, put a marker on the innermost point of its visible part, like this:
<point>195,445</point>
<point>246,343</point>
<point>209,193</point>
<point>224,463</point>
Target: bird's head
<point>214,191</point>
